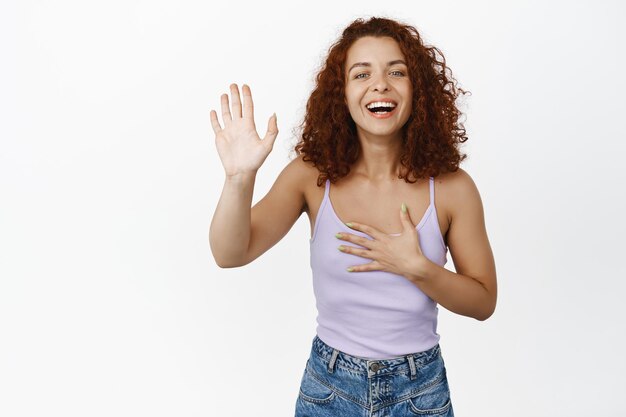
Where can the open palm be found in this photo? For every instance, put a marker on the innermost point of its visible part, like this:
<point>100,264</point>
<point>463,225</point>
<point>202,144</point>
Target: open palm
<point>238,144</point>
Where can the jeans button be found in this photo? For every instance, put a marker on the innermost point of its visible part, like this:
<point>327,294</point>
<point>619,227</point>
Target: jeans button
<point>374,367</point>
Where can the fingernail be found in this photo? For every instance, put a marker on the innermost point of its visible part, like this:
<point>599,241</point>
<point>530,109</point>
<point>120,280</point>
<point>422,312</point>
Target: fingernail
<point>349,224</point>
<point>338,235</point>
<point>403,208</point>
<point>349,269</point>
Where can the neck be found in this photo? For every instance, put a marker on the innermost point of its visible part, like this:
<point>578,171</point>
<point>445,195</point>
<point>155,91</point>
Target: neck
<point>379,159</point>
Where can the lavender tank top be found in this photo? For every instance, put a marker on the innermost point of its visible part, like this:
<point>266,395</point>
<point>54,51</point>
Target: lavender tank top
<point>372,314</point>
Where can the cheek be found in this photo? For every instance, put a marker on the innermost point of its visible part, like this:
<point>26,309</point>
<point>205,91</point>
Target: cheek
<point>406,112</point>
<point>408,92</point>
<point>352,103</point>
<point>409,111</point>
<point>409,100</point>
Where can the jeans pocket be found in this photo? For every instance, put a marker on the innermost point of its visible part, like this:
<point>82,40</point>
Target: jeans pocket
<point>434,400</point>
<point>314,390</point>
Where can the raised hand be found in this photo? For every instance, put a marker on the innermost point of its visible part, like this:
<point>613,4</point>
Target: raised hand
<point>238,144</point>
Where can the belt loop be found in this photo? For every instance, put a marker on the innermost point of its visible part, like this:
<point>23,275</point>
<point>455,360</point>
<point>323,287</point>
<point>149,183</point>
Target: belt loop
<point>412,366</point>
<point>331,364</point>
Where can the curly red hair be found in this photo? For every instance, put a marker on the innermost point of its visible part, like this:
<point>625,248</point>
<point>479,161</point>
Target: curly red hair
<point>432,134</point>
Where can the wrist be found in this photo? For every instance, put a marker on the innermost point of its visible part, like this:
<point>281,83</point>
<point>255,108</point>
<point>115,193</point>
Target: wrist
<point>419,269</point>
<point>240,176</point>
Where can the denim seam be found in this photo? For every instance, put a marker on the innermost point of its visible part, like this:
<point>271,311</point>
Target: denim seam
<point>436,349</point>
<point>323,359</point>
<point>338,392</point>
<point>420,411</point>
<point>410,394</point>
<point>317,400</point>
<point>337,365</point>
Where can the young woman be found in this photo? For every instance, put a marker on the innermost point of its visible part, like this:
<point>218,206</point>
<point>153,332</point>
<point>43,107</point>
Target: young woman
<point>379,136</point>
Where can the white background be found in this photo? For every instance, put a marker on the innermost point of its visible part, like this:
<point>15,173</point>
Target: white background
<point>110,301</point>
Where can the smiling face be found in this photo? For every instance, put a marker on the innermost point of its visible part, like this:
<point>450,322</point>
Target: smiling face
<point>376,72</point>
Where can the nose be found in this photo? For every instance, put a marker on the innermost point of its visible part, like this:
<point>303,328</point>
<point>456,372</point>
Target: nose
<point>380,83</point>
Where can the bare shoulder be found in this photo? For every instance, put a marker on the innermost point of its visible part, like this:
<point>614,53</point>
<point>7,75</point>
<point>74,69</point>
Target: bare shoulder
<point>299,171</point>
<point>457,191</point>
<point>306,174</point>
<point>302,167</point>
<point>456,180</point>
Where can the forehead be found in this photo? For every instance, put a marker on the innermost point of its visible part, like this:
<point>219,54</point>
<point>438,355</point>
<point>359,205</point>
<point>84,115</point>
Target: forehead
<point>372,49</point>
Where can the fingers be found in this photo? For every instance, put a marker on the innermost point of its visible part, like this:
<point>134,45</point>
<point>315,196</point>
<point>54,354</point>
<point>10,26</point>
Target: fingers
<point>368,230</point>
<point>236,106</point>
<point>214,122</point>
<point>225,110</point>
<point>248,108</point>
<point>405,217</point>
<point>272,132</point>
<point>248,105</point>
<point>234,93</point>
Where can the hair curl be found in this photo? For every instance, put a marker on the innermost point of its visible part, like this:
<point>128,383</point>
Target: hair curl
<point>431,135</point>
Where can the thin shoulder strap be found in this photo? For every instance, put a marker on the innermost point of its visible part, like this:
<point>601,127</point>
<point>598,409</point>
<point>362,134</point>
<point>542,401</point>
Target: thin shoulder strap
<point>432,191</point>
<point>325,202</point>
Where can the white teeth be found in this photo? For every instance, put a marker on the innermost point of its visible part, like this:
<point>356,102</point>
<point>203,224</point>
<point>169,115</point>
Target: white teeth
<point>380,104</point>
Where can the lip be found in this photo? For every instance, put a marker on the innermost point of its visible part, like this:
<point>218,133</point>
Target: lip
<point>384,100</point>
<point>384,115</point>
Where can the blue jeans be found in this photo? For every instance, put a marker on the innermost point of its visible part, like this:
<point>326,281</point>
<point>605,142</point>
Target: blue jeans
<point>335,384</point>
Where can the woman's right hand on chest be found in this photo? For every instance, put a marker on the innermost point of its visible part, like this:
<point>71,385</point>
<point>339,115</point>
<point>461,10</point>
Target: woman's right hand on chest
<point>239,146</point>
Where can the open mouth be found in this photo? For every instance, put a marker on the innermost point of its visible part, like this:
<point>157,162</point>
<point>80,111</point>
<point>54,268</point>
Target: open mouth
<point>381,107</point>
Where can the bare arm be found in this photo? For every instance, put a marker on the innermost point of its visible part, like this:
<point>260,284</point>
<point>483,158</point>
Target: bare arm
<point>239,234</point>
<point>472,290</point>
<point>242,152</point>
<point>229,233</point>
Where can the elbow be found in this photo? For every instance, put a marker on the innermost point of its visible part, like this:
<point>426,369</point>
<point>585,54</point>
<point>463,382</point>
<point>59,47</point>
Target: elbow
<point>228,266</point>
<point>483,317</point>
<point>230,263</point>
<point>224,264</point>
<point>488,305</point>
<point>486,314</point>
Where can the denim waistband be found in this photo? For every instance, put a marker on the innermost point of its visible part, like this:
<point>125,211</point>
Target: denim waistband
<point>402,363</point>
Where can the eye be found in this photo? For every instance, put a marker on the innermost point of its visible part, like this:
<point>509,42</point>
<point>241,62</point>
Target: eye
<point>358,75</point>
<point>399,72</point>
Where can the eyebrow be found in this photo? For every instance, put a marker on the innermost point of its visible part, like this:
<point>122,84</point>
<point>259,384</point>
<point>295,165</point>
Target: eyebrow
<point>367,64</point>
